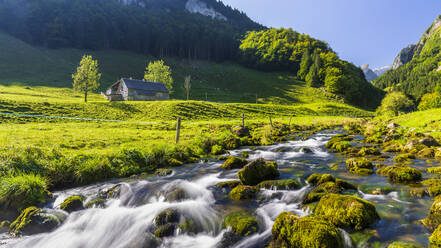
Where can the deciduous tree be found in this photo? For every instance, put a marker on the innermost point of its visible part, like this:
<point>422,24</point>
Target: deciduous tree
<point>87,77</point>
<point>158,72</point>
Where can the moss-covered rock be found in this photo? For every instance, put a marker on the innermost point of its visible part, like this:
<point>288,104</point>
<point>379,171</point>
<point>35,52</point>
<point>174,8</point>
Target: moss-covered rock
<point>97,203</point>
<point>188,226</point>
<point>73,203</point>
<point>359,166</point>
<point>5,224</point>
<point>287,184</point>
<point>33,220</point>
<point>427,153</point>
<point>401,244</point>
<point>392,148</point>
<point>375,189</point>
<point>418,192</point>
<point>245,154</point>
<point>404,157</point>
<point>339,143</point>
<point>291,231</point>
<point>176,195</point>
<point>243,192</point>
<point>165,230</point>
<point>433,220</point>
<point>434,170</point>
<point>258,171</point>
<point>433,187</point>
<point>234,163</point>
<point>435,238</point>
<point>163,172</point>
<point>166,216</point>
<point>229,184</point>
<point>348,212</point>
<point>367,151</point>
<point>316,179</point>
<point>241,223</point>
<point>400,173</point>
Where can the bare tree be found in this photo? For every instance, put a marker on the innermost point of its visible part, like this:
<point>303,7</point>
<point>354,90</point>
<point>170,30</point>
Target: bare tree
<point>187,86</point>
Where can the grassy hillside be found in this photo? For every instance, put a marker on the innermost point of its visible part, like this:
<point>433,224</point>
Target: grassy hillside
<point>225,82</point>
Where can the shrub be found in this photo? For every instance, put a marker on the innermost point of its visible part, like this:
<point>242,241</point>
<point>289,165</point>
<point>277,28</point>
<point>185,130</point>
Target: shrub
<point>394,103</point>
<point>19,192</point>
<point>430,101</point>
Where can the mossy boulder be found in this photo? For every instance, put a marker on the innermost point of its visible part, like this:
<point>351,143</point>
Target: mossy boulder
<point>229,184</point>
<point>243,192</point>
<point>367,151</point>
<point>433,187</point>
<point>165,230</point>
<point>33,220</point>
<point>258,171</point>
<point>163,172</point>
<point>435,238</point>
<point>166,216</point>
<point>392,148</point>
<point>188,226</point>
<point>73,203</point>
<point>242,223</point>
<point>176,195</point>
<point>286,184</point>
<point>433,220</point>
<point>427,153</point>
<point>434,170</point>
<point>418,192</point>
<point>429,141</point>
<point>404,157</point>
<point>316,179</point>
<point>289,230</point>
<point>234,163</point>
<point>339,142</point>
<point>348,212</point>
<point>401,174</point>
<point>401,244</point>
<point>359,166</point>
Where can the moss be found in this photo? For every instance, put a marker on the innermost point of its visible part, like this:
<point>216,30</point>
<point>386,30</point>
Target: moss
<point>402,174</point>
<point>427,153</point>
<point>234,163</point>
<point>166,216</point>
<point>375,189</point>
<point>245,154</point>
<point>177,194</point>
<point>242,223</point>
<point>279,184</point>
<point>404,157</point>
<point>418,192</point>
<point>258,171</point>
<point>336,139</point>
<point>433,187</point>
<point>98,202</point>
<point>348,212</point>
<point>31,221</point>
<point>313,197</point>
<point>165,230</point>
<point>392,148</point>
<point>222,158</point>
<point>5,224</point>
<point>434,170</point>
<point>242,192</point>
<point>316,179</point>
<point>163,172</point>
<point>433,220</point>
<point>291,231</point>
<point>401,244</point>
<point>435,238</point>
<point>229,184</point>
<point>172,162</point>
<point>217,150</point>
<point>365,151</point>
<point>188,226</point>
<point>72,203</point>
<point>359,166</point>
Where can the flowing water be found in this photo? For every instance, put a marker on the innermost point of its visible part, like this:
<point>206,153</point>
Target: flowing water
<point>127,220</point>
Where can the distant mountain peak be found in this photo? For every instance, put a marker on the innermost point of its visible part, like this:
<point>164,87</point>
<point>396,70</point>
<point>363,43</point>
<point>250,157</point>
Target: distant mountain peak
<point>372,74</point>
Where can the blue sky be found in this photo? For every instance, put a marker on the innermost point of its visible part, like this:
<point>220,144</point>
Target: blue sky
<point>363,32</point>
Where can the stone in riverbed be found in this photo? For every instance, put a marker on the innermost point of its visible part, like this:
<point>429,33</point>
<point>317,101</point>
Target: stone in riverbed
<point>289,230</point>
<point>258,171</point>
<point>401,244</point>
<point>176,195</point>
<point>229,184</point>
<point>435,238</point>
<point>243,192</point>
<point>166,216</point>
<point>73,203</point>
<point>33,220</point>
<point>286,184</point>
<point>401,173</point>
<point>234,163</point>
<point>433,220</point>
<point>242,223</point>
<point>347,212</point>
<point>359,166</point>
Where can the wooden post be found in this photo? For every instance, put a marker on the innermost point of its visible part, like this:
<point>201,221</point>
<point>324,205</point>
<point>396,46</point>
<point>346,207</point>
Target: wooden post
<point>256,99</point>
<point>271,122</point>
<point>206,97</point>
<point>243,120</point>
<point>289,125</point>
<point>178,130</point>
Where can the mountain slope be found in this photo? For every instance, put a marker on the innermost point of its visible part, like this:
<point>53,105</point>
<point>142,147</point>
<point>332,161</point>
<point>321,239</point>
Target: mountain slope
<point>416,70</point>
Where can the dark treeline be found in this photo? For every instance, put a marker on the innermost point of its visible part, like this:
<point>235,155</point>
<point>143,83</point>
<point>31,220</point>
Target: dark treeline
<point>160,28</point>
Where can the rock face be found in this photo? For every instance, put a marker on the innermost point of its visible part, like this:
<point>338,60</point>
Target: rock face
<point>197,6</point>
<point>258,171</point>
<point>405,56</point>
<point>368,73</point>
<point>348,212</point>
<point>289,230</point>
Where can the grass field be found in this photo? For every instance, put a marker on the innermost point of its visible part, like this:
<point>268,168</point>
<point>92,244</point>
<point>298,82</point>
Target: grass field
<point>27,65</point>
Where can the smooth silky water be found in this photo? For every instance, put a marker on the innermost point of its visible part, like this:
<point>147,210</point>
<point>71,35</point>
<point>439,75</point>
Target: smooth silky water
<point>128,220</point>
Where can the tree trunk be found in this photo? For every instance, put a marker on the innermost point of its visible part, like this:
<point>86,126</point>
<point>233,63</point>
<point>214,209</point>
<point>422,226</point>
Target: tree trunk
<point>85,96</point>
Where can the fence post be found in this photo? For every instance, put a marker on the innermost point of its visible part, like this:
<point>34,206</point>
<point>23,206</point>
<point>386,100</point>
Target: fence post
<point>243,120</point>
<point>178,130</point>
<point>271,122</point>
